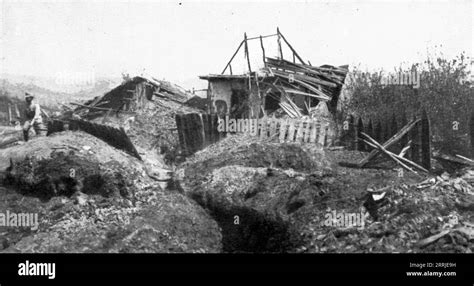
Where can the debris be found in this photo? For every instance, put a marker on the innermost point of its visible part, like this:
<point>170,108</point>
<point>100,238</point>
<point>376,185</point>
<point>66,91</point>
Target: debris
<point>393,156</point>
<point>405,129</point>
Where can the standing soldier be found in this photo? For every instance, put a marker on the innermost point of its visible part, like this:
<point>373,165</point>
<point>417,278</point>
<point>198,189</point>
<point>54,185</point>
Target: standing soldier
<point>33,118</point>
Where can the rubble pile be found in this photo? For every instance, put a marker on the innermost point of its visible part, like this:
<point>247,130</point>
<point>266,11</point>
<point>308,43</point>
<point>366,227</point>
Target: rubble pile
<point>263,186</point>
<point>91,197</point>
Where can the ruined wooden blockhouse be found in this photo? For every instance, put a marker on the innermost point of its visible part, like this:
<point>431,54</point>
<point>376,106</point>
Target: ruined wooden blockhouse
<point>281,87</point>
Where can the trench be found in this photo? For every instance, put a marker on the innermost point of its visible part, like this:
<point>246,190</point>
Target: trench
<point>244,229</point>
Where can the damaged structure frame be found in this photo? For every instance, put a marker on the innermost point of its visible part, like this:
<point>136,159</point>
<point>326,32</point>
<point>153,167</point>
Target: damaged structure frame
<point>294,87</point>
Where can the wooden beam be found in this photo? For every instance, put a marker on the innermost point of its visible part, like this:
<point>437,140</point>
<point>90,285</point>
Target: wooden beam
<point>389,142</point>
<point>398,156</point>
<point>233,56</point>
<point>247,52</point>
<point>375,144</point>
<point>279,43</point>
<point>293,50</point>
<point>263,51</point>
<point>99,108</point>
<point>267,36</point>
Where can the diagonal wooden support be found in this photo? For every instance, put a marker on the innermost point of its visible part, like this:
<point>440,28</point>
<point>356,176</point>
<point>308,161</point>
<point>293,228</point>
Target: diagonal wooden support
<point>397,158</point>
<point>389,142</point>
<point>390,155</point>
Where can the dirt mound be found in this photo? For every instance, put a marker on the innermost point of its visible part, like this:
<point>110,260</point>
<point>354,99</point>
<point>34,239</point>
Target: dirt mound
<point>159,223</point>
<point>257,208</point>
<point>91,197</point>
<point>255,191</point>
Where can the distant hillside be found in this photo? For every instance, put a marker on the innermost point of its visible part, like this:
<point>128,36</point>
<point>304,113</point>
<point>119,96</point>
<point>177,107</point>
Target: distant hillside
<point>13,92</point>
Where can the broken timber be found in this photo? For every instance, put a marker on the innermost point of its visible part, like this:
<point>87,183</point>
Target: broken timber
<point>389,142</point>
<point>396,158</point>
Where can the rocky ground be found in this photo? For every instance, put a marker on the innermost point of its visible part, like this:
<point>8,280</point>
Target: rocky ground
<point>238,195</point>
<point>91,197</point>
<point>272,197</point>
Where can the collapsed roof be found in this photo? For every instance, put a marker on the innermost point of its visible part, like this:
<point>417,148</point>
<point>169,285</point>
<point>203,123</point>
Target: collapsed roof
<point>130,95</point>
<point>283,80</point>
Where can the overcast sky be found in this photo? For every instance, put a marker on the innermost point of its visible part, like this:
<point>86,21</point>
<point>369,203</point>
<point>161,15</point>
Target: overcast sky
<point>179,40</point>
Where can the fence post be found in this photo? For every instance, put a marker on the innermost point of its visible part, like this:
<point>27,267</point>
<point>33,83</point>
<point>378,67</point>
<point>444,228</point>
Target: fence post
<point>369,130</point>
<point>352,133</point>
<point>9,114</point>
<point>414,137</point>
<point>322,133</point>
<point>393,131</point>
<point>291,131</point>
<point>471,128</point>
<point>387,132</point>
<point>425,141</point>
<point>404,139</point>
<point>378,131</point>
<point>299,133</point>
<point>181,125</point>
<point>263,130</point>
<point>282,130</point>
<point>360,129</point>
<point>314,130</point>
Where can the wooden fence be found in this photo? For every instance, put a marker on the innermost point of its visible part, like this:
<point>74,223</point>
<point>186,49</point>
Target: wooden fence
<point>196,131</point>
<point>382,129</point>
<point>115,137</point>
<point>297,130</point>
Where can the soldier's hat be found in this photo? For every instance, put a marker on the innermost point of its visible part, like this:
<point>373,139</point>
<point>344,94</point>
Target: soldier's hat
<point>28,95</point>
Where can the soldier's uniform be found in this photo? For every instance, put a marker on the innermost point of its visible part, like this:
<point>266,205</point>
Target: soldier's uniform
<point>33,119</point>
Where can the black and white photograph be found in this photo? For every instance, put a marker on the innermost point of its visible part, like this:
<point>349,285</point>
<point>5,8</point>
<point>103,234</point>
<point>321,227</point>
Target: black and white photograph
<point>237,128</point>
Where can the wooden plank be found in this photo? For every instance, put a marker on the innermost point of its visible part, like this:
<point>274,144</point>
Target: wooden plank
<point>279,43</point>
<point>415,144</point>
<point>181,125</point>
<point>291,131</point>
<point>327,135</point>
<point>99,108</point>
<point>375,144</point>
<point>291,48</point>
<point>299,133</point>
<point>283,130</point>
<point>247,52</point>
<point>263,128</point>
<point>233,56</point>
<point>391,154</point>
<point>298,92</point>
<point>263,51</point>
<point>307,131</point>
<point>206,129</point>
<point>360,129</point>
<point>213,123</point>
<point>9,114</point>
<point>314,132</point>
<point>390,142</point>
<point>273,127</point>
<point>352,133</point>
<point>471,131</point>
<point>322,133</point>
<point>425,141</point>
<point>370,130</point>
